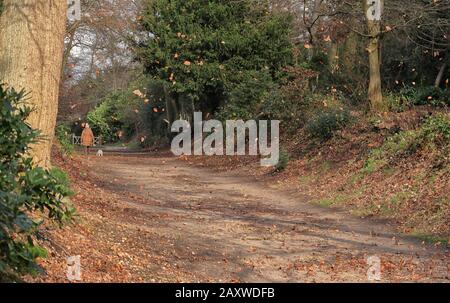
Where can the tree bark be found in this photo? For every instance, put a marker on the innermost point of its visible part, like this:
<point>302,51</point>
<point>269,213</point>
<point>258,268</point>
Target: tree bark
<point>31,50</point>
<point>333,57</point>
<point>375,95</point>
<point>312,28</point>
<point>172,110</point>
<point>440,75</point>
<point>350,54</point>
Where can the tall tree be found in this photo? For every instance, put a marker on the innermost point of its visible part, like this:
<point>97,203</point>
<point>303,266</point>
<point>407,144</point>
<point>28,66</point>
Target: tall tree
<point>373,10</point>
<point>31,49</point>
<point>205,50</point>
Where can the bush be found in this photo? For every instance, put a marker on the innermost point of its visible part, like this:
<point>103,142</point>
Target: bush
<point>138,110</point>
<point>62,133</point>
<point>245,98</point>
<point>103,119</point>
<point>27,193</point>
<point>428,95</point>
<point>436,130</point>
<point>397,103</point>
<point>283,161</point>
<point>410,96</point>
<point>325,123</point>
<point>292,102</point>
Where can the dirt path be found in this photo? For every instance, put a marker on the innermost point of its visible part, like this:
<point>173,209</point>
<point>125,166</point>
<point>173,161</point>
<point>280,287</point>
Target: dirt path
<point>209,226</point>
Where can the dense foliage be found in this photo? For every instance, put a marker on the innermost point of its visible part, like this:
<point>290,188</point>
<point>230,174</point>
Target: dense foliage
<point>28,194</point>
<point>63,134</point>
<point>136,113</point>
<point>215,54</point>
<point>325,123</point>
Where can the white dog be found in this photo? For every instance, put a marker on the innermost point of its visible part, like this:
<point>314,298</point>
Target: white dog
<point>100,153</point>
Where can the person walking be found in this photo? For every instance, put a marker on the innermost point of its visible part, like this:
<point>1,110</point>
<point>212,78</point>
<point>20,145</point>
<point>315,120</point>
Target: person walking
<point>87,138</point>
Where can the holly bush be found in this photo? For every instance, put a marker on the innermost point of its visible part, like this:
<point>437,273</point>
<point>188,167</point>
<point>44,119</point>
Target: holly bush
<point>29,195</point>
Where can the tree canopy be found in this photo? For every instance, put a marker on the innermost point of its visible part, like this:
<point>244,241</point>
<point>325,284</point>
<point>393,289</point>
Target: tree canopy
<point>203,50</point>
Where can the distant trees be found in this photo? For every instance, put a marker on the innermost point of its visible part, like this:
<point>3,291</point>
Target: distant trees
<point>418,31</point>
<point>430,31</point>
<point>228,58</point>
<point>407,46</point>
<point>31,49</point>
<point>97,59</point>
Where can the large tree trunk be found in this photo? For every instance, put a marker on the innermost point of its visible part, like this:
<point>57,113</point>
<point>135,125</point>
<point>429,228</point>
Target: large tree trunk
<point>374,28</point>
<point>31,49</point>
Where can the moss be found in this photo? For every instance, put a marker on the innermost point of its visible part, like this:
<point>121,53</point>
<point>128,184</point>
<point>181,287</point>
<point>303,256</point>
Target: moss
<point>430,238</point>
<point>372,165</point>
<point>389,171</point>
<point>326,166</point>
<point>355,178</point>
<point>395,202</point>
<point>363,212</point>
<point>325,202</point>
<point>333,201</point>
<point>305,179</point>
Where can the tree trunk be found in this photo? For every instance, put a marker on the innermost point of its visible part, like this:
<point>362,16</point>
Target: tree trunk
<point>312,29</point>
<point>171,107</point>
<point>350,55</point>
<point>375,94</point>
<point>374,28</point>
<point>31,50</point>
<point>440,75</point>
<point>333,57</point>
